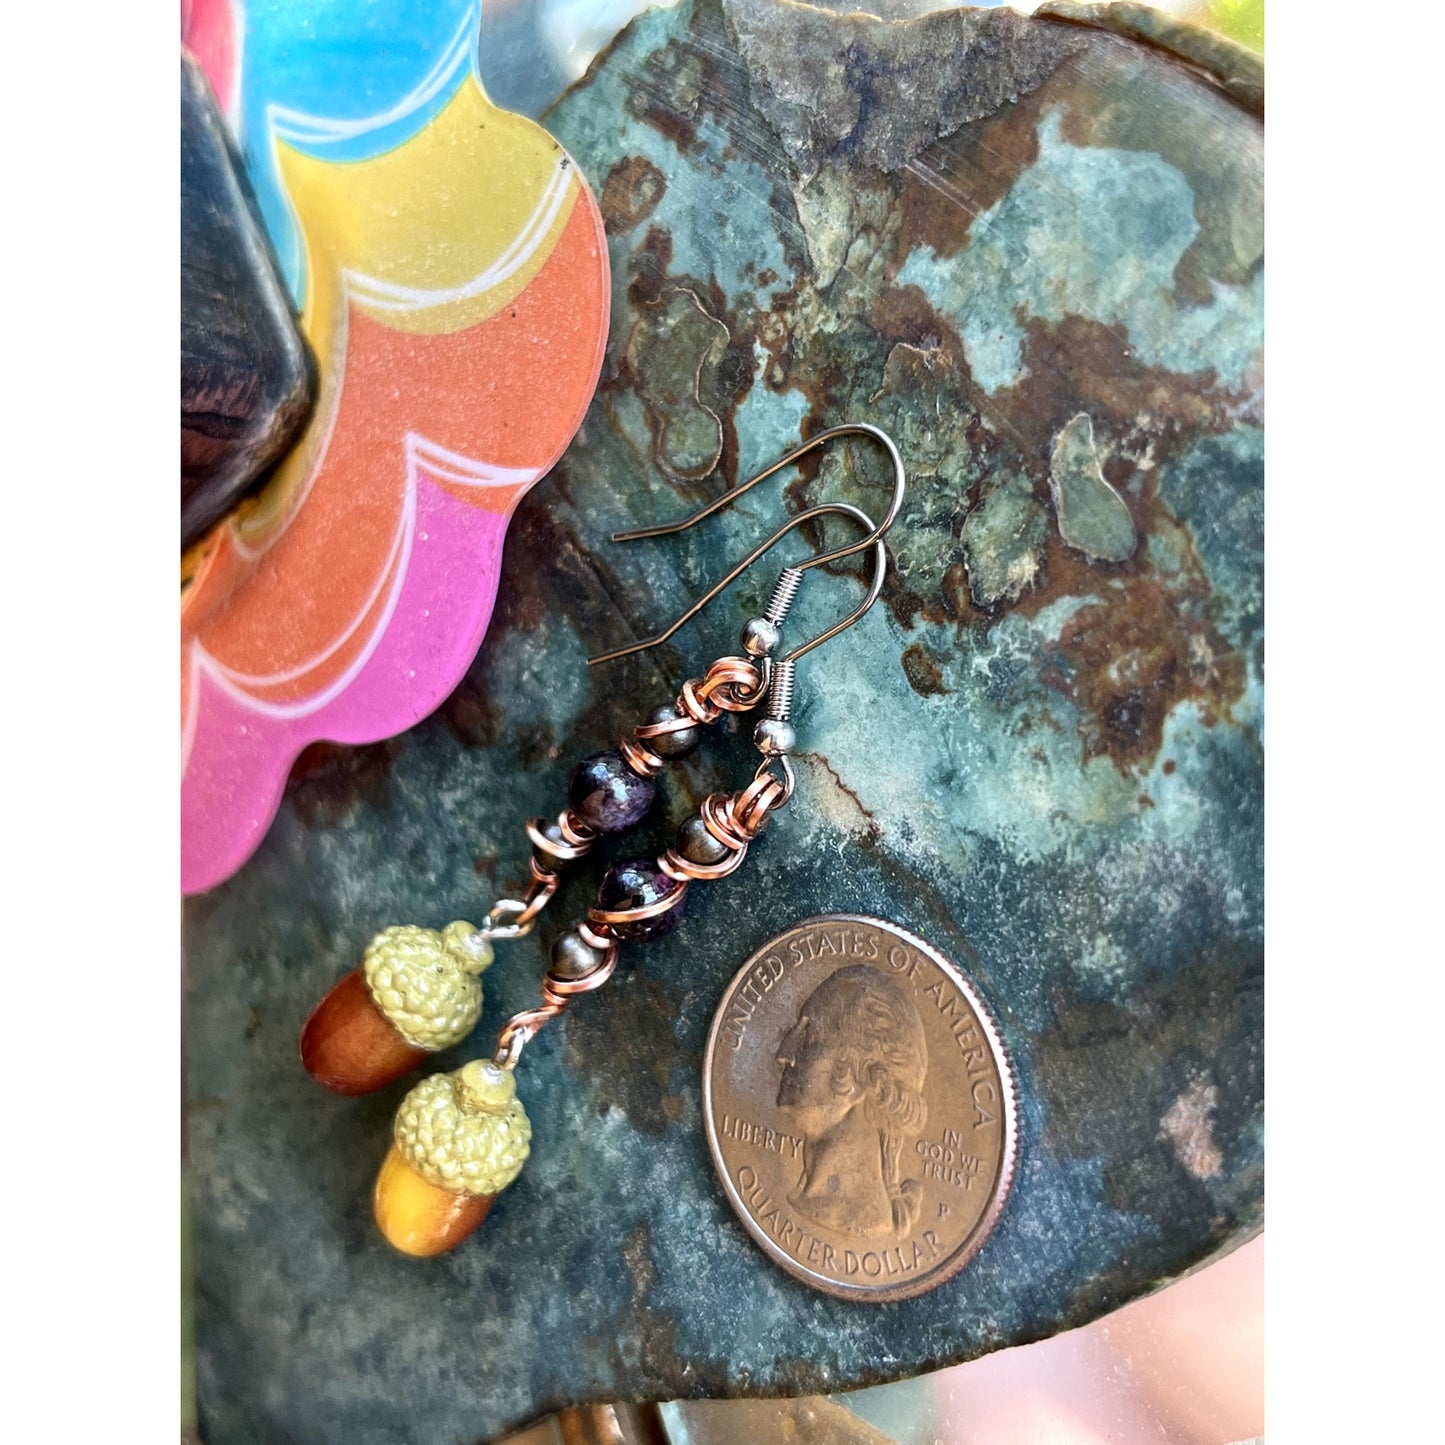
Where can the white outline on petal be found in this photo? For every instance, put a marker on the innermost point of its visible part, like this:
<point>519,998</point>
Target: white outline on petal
<point>418,451</point>
<point>301,128</point>
<point>380,295</point>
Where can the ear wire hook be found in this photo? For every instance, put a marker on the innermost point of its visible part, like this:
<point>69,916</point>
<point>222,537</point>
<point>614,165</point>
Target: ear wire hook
<point>852,428</point>
<point>788,581</point>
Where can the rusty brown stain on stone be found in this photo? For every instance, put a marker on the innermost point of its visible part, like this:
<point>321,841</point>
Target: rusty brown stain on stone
<point>328,780</point>
<point>842,790</point>
<point>921,669</point>
<point>637,1255</point>
<point>631,192</point>
<point>1081,365</point>
<point>469,714</point>
<point>1128,658</point>
<point>951,182</point>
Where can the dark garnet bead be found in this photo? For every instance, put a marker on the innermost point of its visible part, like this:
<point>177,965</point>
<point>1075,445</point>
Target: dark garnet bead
<point>633,883</point>
<point>607,795</point>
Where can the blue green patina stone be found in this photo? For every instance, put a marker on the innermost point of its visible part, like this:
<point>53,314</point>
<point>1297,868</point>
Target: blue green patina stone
<point>1042,751</point>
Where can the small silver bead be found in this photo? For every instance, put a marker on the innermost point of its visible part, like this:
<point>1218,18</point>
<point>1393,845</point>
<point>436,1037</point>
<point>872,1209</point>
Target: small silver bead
<point>573,957</point>
<point>760,637</point>
<point>698,845</point>
<point>774,738</point>
<point>675,744</point>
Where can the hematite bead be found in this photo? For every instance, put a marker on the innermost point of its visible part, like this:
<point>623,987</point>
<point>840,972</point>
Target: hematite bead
<point>671,745</point>
<point>545,860</point>
<point>698,845</point>
<point>573,957</point>
<point>607,795</point>
<point>634,883</point>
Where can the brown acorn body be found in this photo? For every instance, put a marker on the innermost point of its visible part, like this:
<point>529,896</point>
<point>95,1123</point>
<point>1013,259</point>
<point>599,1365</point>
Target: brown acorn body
<point>421,1218</point>
<point>458,1140</point>
<point>350,1046</point>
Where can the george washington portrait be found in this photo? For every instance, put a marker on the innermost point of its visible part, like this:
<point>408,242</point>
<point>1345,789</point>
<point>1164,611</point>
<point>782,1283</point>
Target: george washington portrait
<point>851,1086</point>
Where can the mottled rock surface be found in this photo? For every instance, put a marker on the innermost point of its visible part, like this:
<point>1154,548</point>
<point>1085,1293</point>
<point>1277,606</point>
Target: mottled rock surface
<point>1046,762</point>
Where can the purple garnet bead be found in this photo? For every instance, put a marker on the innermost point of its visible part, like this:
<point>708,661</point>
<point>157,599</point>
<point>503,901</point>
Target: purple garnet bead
<point>607,795</point>
<point>633,883</point>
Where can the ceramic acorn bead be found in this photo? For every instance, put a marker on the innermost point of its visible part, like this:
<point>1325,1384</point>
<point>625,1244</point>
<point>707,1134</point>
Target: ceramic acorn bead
<point>416,991</point>
<point>458,1141</point>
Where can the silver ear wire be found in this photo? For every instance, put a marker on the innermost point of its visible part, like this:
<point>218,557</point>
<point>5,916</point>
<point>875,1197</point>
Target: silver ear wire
<point>761,635</point>
<point>785,593</point>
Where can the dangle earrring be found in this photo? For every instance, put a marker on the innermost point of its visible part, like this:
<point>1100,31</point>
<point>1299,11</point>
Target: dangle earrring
<point>460,1138</point>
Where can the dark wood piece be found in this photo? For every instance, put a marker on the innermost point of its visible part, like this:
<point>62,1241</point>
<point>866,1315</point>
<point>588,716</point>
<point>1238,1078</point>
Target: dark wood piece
<point>247,379</point>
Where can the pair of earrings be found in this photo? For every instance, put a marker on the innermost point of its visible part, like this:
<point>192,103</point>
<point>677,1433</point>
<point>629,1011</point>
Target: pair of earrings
<point>460,1138</point>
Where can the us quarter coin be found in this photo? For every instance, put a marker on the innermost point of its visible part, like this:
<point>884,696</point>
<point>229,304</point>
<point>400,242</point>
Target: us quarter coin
<point>860,1108</point>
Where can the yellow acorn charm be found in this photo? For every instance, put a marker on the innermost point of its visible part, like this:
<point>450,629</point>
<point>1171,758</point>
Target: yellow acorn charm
<point>416,991</point>
<point>458,1141</point>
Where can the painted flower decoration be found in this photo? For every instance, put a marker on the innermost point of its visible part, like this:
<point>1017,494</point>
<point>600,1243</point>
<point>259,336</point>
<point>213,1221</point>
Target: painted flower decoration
<point>451,271</point>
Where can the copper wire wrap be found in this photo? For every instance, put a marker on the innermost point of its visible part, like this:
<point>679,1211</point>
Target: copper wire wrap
<point>641,759</point>
<point>556,992</point>
<point>576,841</point>
<point>609,917</point>
<point>731,684</point>
<point>734,820</point>
<point>520,913</point>
<point>513,917</point>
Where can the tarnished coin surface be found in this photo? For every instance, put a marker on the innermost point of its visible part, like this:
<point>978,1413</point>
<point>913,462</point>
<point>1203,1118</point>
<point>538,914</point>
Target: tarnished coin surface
<point>860,1108</point>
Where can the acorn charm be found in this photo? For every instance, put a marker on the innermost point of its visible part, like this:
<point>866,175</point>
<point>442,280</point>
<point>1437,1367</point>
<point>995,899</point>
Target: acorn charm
<point>458,1141</point>
<point>416,991</point>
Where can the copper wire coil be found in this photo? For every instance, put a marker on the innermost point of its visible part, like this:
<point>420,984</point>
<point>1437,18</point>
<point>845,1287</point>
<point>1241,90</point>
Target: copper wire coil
<point>735,684</point>
<point>538,897</point>
<point>520,912</point>
<point>717,817</point>
<point>751,807</point>
<point>597,937</point>
<point>684,869</point>
<point>521,1027</point>
<point>692,702</point>
<point>616,916</point>
<point>640,758</point>
<point>659,730</point>
<point>564,851</point>
<point>574,830</point>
